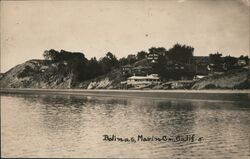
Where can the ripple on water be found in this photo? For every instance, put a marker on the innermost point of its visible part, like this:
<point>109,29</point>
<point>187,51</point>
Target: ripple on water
<point>69,126</point>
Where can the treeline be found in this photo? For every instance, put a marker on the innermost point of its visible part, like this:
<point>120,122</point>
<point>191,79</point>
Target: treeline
<point>220,63</point>
<point>172,63</point>
<point>178,53</point>
<point>85,69</point>
<point>80,66</point>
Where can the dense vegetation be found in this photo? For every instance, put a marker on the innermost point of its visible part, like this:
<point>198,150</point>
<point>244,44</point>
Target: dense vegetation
<point>174,63</point>
<point>80,66</point>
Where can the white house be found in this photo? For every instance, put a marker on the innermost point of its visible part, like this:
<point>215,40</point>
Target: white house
<point>241,62</point>
<point>143,80</point>
<point>152,57</point>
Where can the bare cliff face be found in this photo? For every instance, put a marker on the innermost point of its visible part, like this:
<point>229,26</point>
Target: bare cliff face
<point>38,74</point>
<point>48,74</point>
<point>109,81</point>
<point>234,79</point>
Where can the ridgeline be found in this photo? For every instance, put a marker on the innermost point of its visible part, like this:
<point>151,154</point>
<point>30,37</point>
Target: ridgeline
<point>65,70</point>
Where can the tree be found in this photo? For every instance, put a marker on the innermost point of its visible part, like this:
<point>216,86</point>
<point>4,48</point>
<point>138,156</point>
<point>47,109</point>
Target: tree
<point>230,61</point>
<point>159,66</point>
<point>112,60</point>
<point>158,50</point>
<point>216,60</point>
<point>76,63</point>
<point>244,58</point>
<point>63,55</point>
<point>123,61</point>
<point>181,53</point>
<point>72,56</point>
<point>108,62</point>
<point>46,55</point>
<point>141,55</point>
<point>92,70</point>
<point>51,55</point>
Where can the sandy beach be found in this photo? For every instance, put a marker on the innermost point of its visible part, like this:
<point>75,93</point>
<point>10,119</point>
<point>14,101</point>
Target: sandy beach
<point>220,95</point>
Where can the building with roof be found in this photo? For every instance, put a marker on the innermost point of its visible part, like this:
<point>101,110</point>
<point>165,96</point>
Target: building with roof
<point>138,81</point>
<point>142,70</point>
<point>126,70</point>
<point>242,62</point>
<point>152,57</point>
<point>138,70</point>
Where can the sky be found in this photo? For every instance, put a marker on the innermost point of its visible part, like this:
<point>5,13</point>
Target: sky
<point>121,27</point>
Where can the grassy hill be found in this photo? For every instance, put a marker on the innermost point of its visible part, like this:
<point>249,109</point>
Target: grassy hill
<point>234,79</point>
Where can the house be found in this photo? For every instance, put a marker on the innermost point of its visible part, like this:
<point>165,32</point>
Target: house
<point>242,62</point>
<point>141,81</point>
<point>141,70</point>
<point>200,60</point>
<point>198,77</point>
<point>126,70</point>
<point>152,57</point>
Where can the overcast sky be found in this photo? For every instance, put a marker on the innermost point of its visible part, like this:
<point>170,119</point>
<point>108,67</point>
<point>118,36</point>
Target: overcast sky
<point>121,27</point>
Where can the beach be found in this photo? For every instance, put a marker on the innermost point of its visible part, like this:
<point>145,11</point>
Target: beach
<point>221,95</point>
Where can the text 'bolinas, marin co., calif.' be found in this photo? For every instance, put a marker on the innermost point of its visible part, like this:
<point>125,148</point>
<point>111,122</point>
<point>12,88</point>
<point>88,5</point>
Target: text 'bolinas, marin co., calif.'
<point>142,138</point>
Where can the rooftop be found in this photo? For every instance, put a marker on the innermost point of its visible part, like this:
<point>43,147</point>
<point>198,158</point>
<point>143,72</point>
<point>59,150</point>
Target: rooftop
<point>152,76</point>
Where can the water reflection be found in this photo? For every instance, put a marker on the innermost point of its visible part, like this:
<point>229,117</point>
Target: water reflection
<point>73,126</point>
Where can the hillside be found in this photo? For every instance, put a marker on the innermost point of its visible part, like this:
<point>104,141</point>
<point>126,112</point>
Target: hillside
<point>109,81</point>
<point>234,79</point>
<point>37,74</point>
<point>47,74</point>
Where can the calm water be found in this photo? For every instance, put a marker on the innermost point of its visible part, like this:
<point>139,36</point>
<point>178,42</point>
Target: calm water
<point>70,126</point>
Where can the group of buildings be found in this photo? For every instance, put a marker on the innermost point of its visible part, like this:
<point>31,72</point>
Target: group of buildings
<point>141,76</point>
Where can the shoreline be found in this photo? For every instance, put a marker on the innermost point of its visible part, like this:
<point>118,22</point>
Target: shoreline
<point>220,95</point>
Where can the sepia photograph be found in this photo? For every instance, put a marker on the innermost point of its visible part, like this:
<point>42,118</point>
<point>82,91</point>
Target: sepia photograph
<point>125,79</point>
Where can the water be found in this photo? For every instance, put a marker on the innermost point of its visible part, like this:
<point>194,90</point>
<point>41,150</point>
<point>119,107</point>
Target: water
<point>71,126</point>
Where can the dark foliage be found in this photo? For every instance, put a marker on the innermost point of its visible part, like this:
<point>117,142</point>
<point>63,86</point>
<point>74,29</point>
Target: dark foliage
<point>244,58</point>
<point>82,68</point>
<point>181,53</point>
<point>63,55</point>
<point>175,63</point>
<point>216,61</point>
<point>141,55</point>
<point>108,62</point>
<point>158,50</point>
<point>230,62</point>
